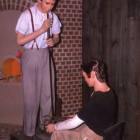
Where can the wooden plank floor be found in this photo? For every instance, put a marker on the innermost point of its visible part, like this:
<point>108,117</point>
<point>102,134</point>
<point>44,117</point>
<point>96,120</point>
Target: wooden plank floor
<point>7,129</point>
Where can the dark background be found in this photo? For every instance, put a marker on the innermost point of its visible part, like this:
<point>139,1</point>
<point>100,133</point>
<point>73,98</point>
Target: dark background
<point>111,33</point>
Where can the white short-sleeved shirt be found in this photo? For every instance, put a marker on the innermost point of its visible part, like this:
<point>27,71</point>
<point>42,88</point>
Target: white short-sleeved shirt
<point>24,26</point>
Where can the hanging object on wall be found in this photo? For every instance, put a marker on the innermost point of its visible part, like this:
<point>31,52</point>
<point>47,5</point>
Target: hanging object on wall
<point>19,54</point>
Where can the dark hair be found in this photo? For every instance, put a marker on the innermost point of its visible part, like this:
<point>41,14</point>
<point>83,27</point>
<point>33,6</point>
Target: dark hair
<point>97,66</point>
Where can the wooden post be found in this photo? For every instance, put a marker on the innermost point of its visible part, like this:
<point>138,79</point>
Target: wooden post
<point>138,90</point>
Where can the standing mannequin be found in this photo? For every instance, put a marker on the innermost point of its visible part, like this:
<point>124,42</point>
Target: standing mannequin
<point>35,62</point>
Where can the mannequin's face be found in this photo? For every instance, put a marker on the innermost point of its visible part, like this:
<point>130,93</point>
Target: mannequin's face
<point>89,81</point>
<point>45,6</point>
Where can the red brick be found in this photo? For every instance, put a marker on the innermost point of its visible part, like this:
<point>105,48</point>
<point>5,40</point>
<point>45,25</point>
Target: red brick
<point>71,106</point>
<point>69,102</point>
<point>64,6</point>
<point>70,6</point>
<point>69,94</point>
<point>68,10</point>
<point>63,87</point>
<point>69,110</point>
<point>62,54</point>
<point>65,75</point>
<point>73,11</point>
<point>59,58</point>
<point>65,67</point>
<point>65,90</point>
<point>73,37</point>
<point>70,41</point>
<point>65,41</point>
<point>63,79</point>
<point>61,10</point>
<point>68,37</point>
<point>62,63</point>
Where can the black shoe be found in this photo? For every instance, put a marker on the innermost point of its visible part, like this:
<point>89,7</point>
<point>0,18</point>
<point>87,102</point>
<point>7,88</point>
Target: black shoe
<point>46,133</point>
<point>28,137</point>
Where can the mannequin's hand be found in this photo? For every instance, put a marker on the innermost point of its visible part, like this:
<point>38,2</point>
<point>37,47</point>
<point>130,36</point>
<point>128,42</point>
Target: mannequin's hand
<point>50,42</point>
<point>50,128</point>
<point>46,24</point>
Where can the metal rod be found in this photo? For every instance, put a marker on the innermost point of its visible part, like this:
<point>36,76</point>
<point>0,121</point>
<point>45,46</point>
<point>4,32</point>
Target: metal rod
<point>9,77</point>
<point>48,32</point>
<point>50,55</point>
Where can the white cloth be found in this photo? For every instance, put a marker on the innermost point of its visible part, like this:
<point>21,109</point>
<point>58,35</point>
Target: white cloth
<point>44,15</point>
<point>69,124</point>
<point>24,26</point>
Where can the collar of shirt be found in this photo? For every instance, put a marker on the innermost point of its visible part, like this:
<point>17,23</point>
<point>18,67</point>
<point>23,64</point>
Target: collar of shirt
<point>44,15</point>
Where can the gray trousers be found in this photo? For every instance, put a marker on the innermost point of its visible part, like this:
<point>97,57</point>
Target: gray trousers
<point>35,74</point>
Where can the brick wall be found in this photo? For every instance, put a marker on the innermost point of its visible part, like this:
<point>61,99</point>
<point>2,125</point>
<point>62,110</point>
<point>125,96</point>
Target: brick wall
<point>68,54</point>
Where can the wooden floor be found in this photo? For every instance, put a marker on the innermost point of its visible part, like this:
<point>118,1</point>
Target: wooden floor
<point>16,131</point>
<point>7,129</point>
